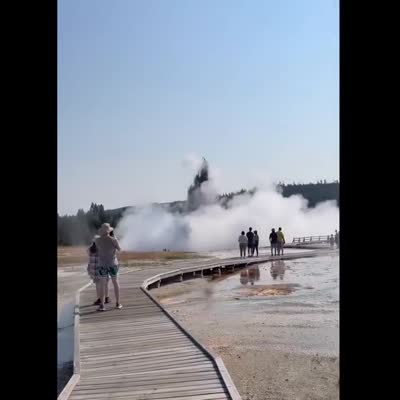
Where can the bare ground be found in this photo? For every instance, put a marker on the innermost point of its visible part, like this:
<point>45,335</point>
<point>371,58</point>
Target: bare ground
<point>261,373</point>
<point>76,255</point>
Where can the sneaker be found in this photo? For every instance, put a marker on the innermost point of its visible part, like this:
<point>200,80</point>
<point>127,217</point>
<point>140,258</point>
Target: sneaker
<point>107,300</point>
<point>118,305</point>
<point>101,308</point>
<point>97,302</point>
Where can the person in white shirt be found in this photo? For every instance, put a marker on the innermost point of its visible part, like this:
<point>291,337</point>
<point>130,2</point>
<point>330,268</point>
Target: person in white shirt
<point>107,267</point>
<point>242,244</point>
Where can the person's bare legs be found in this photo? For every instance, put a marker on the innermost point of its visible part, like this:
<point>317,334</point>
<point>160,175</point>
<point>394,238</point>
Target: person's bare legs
<point>102,286</point>
<point>106,288</point>
<point>98,289</point>
<point>116,288</point>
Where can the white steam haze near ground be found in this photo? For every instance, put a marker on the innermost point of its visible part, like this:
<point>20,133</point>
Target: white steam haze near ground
<point>213,227</point>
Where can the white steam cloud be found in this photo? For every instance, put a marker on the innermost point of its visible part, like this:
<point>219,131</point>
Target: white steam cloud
<point>212,227</point>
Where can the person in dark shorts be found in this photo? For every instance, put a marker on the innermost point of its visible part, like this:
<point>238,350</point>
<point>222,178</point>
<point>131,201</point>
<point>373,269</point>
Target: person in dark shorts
<point>250,242</point>
<point>273,239</point>
<point>256,241</point>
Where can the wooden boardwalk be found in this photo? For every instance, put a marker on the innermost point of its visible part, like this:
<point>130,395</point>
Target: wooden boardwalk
<point>140,352</point>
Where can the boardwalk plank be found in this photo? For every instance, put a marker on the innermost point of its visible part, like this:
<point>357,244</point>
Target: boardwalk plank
<point>134,367</point>
<point>154,383</point>
<point>218,396</point>
<point>145,354</point>
<point>133,364</point>
<point>161,394</point>
<point>183,387</point>
<point>141,360</point>
<point>180,376</point>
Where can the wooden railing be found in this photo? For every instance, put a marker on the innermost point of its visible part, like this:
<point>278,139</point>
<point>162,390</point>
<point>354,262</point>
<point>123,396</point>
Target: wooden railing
<point>311,239</point>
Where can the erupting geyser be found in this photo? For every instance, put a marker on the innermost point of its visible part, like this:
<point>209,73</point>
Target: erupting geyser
<point>207,224</point>
<point>195,197</point>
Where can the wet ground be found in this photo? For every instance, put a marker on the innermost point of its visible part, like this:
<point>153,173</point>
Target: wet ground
<point>297,300</point>
<point>263,251</point>
<point>275,325</point>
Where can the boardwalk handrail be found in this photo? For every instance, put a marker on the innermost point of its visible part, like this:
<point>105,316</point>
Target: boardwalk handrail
<point>311,239</point>
<point>66,392</point>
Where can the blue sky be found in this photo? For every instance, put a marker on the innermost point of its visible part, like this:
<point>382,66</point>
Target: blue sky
<point>251,85</point>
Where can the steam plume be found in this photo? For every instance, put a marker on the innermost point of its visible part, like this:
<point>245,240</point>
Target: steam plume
<point>207,225</point>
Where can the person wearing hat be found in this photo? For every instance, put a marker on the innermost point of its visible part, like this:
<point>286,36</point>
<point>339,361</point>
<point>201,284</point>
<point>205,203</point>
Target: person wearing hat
<point>107,247</point>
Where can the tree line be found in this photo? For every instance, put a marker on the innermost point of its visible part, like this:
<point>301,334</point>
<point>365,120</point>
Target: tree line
<point>314,192</point>
<point>79,229</point>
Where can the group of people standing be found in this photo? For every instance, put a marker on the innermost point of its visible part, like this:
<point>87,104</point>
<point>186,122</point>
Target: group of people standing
<point>334,240</point>
<point>277,240</point>
<point>248,241</point>
<point>103,265</point>
<point>251,240</point>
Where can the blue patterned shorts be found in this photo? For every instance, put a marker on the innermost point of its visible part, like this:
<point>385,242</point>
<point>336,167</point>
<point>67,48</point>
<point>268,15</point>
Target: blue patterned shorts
<point>106,272</point>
